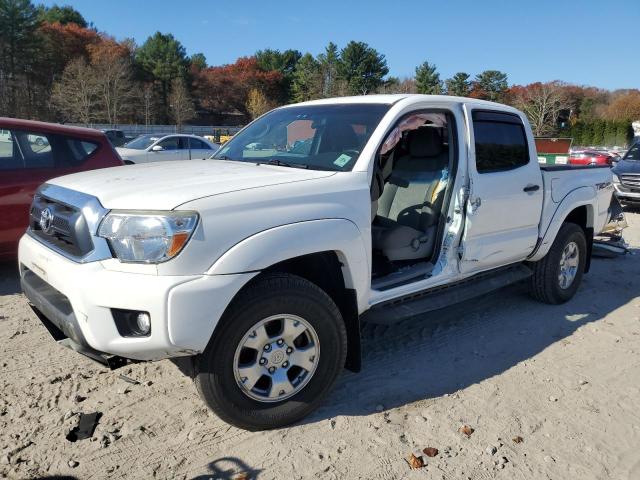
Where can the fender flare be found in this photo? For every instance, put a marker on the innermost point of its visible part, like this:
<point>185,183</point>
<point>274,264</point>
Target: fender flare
<point>580,197</point>
<point>269,247</point>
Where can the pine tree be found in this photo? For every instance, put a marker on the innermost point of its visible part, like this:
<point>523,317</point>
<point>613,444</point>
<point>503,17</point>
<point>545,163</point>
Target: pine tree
<point>428,79</point>
<point>329,69</point>
<point>307,80</point>
<point>459,85</point>
<point>362,67</point>
<point>490,85</point>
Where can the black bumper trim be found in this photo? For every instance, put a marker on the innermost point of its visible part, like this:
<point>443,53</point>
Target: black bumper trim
<point>54,310</point>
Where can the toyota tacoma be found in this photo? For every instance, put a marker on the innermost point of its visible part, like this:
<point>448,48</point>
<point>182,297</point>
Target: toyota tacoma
<point>260,264</point>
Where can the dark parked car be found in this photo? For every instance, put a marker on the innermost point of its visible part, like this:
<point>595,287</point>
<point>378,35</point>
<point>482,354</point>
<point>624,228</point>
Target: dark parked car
<point>115,136</point>
<point>34,152</point>
<point>626,178</point>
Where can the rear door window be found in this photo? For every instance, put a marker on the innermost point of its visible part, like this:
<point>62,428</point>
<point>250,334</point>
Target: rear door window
<point>500,141</point>
<point>36,149</point>
<point>46,150</point>
<point>171,143</point>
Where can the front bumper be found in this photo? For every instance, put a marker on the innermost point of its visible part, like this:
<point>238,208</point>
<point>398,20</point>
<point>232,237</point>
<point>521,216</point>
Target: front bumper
<point>77,299</point>
<point>626,196</point>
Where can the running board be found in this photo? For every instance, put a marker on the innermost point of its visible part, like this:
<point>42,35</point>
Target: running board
<point>393,311</point>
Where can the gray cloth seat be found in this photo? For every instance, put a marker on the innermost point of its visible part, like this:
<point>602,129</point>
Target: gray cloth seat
<point>409,208</point>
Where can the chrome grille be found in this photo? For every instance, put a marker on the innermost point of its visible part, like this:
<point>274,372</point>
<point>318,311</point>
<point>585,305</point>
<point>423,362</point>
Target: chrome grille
<point>66,228</point>
<point>631,181</point>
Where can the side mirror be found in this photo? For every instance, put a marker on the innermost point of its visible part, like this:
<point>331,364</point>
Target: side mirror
<point>157,148</point>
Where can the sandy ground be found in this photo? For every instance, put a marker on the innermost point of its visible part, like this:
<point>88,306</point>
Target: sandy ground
<point>566,379</point>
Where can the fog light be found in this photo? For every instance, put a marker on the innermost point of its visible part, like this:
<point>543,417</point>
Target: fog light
<point>132,323</point>
<point>144,323</point>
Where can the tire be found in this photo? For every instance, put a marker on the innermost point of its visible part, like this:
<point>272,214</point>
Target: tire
<point>546,283</point>
<point>271,296</point>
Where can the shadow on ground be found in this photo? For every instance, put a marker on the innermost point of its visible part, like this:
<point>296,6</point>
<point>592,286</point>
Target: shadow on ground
<point>451,349</point>
<point>228,468</point>
<point>9,278</point>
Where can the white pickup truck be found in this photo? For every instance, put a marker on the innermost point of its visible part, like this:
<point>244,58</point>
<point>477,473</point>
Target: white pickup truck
<point>260,263</point>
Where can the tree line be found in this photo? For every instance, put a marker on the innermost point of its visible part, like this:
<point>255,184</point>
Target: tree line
<point>54,65</point>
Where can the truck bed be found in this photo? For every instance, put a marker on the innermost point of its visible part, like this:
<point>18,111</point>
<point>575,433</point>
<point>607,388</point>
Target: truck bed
<point>587,182</point>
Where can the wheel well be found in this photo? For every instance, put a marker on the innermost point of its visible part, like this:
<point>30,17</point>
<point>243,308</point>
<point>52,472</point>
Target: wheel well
<point>580,216</point>
<point>325,270</point>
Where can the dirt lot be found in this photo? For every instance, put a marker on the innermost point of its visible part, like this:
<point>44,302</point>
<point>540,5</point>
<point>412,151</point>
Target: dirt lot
<point>566,379</point>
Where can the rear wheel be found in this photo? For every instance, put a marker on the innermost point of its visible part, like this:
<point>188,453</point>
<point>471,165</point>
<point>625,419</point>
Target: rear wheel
<point>557,276</point>
<point>275,355</point>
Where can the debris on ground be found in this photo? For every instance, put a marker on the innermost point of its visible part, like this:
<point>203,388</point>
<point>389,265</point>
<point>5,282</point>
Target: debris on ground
<point>518,439</point>
<point>466,430</point>
<point>73,463</point>
<point>85,428</point>
<point>415,462</point>
<point>128,379</point>
<point>491,450</point>
<point>430,451</point>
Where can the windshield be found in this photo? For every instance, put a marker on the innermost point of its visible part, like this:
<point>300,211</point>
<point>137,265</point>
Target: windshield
<point>142,142</point>
<point>320,137</point>
<point>633,153</point>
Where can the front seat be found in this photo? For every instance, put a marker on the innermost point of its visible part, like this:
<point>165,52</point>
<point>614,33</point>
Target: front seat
<point>409,207</point>
<point>339,137</point>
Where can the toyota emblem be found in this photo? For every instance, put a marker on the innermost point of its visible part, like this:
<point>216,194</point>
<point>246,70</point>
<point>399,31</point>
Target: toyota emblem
<point>46,220</point>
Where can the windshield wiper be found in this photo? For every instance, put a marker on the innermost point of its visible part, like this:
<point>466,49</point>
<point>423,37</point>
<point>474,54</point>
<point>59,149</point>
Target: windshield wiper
<point>280,163</point>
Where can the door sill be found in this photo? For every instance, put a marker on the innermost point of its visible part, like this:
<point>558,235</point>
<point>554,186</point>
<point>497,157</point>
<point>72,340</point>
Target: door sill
<point>435,298</point>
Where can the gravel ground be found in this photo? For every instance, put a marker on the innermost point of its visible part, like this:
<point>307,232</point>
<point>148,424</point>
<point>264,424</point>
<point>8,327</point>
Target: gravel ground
<point>564,379</point>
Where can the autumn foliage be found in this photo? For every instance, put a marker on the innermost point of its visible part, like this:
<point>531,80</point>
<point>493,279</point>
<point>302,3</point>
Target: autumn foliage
<point>227,88</point>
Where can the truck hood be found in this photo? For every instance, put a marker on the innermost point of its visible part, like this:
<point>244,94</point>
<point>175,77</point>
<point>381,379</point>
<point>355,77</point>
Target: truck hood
<point>166,185</point>
<point>626,166</point>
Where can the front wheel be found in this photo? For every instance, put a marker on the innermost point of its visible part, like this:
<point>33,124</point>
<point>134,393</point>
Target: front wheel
<point>275,355</point>
<point>557,276</point>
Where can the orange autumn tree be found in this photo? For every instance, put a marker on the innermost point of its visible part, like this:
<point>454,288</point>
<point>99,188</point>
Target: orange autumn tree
<point>226,88</point>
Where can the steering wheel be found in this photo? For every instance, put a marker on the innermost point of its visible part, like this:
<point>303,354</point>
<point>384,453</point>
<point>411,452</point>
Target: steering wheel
<point>409,212</point>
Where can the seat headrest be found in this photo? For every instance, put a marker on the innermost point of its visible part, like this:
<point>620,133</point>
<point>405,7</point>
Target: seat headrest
<point>424,142</point>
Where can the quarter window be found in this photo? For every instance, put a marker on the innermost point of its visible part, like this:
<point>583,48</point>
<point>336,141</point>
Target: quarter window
<point>198,144</point>
<point>500,141</point>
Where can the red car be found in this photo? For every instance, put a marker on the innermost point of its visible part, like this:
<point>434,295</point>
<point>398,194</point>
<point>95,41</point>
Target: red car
<point>590,157</point>
<point>32,153</point>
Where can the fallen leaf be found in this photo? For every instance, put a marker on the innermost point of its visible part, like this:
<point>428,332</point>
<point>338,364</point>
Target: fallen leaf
<point>430,451</point>
<point>466,430</point>
<point>415,462</point>
<point>518,439</point>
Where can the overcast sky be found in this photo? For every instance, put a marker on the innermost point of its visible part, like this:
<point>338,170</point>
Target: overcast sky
<point>591,42</point>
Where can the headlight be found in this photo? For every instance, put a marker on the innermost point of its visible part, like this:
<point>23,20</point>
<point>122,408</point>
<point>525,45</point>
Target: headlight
<point>147,237</point>
<point>616,178</point>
